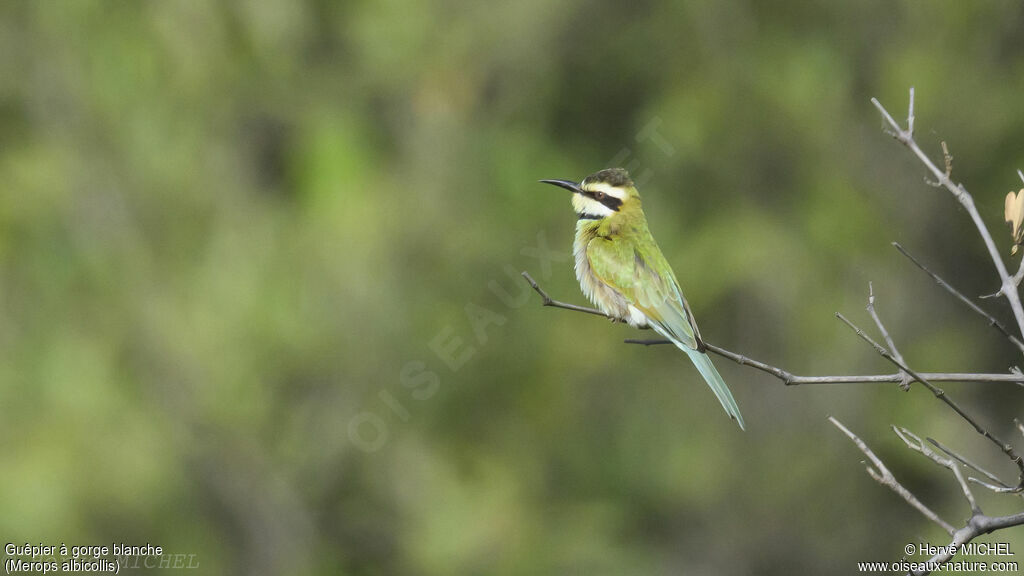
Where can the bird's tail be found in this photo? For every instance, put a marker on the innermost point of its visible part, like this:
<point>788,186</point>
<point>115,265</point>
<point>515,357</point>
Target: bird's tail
<point>714,380</point>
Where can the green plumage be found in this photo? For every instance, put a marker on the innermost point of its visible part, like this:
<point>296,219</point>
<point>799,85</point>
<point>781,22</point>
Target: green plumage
<point>623,272</point>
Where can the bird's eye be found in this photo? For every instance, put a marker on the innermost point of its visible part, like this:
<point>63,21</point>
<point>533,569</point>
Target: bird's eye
<point>599,195</point>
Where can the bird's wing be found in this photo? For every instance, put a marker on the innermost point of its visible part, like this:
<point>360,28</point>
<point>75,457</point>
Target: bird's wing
<point>644,278</point>
<point>642,275</point>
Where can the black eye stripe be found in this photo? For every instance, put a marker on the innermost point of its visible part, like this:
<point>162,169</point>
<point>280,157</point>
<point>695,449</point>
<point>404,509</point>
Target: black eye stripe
<point>607,199</point>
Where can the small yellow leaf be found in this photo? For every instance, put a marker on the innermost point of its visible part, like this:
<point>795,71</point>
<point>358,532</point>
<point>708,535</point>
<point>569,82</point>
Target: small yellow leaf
<point>1013,212</point>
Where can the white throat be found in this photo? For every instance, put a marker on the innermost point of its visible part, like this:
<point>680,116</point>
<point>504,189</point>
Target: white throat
<point>585,206</point>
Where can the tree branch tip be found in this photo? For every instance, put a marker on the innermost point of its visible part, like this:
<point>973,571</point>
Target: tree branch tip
<point>904,434</point>
<point>839,425</point>
<point>996,489</point>
<point>533,283</point>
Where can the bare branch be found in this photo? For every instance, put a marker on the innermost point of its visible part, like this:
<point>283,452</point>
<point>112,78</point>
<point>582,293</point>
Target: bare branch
<point>977,525</point>
<point>883,476</point>
<point>941,395</point>
<point>997,484</point>
<point>905,380</point>
<point>1019,276</point>
<point>1016,279</point>
<point>918,445</point>
<point>910,113</point>
<point>785,376</point>
<point>906,137</point>
<point>959,296</point>
<point>556,304</point>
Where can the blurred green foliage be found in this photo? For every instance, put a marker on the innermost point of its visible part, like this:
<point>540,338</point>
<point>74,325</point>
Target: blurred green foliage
<point>228,229</point>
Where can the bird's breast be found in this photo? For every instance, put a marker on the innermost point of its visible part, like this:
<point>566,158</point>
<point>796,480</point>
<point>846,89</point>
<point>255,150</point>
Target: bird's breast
<point>605,297</point>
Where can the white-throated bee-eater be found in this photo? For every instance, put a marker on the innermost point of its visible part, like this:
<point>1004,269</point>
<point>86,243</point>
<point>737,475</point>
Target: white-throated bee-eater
<point>622,271</point>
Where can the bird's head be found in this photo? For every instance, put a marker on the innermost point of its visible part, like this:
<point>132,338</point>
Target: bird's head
<point>602,194</point>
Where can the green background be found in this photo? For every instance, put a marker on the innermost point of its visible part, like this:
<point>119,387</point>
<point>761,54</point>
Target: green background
<point>232,236</point>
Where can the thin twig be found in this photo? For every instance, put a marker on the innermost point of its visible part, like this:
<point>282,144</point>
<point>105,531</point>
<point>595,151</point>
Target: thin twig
<point>910,114</point>
<point>883,476</point>
<point>906,137</point>
<point>918,445</point>
<point>941,395</point>
<point>556,304</point>
<point>905,380</point>
<point>968,463</point>
<point>959,296</point>
<point>977,525</point>
<point>785,376</point>
<point>948,158</point>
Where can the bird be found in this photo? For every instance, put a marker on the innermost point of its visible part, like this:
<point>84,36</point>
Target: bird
<point>622,271</point>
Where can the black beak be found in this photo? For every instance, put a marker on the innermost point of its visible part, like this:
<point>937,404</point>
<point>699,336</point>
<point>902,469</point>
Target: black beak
<point>567,184</point>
